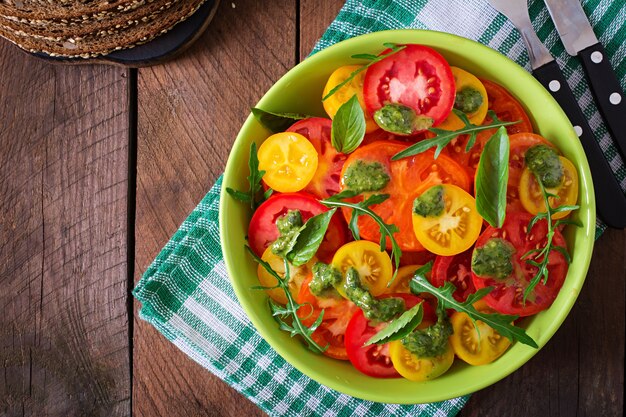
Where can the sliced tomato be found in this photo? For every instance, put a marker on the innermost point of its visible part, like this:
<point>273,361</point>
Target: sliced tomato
<point>297,274</point>
<point>456,269</point>
<point>337,315</point>
<point>507,108</point>
<point>372,264</point>
<point>325,182</point>
<point>409,177</point>
<point>416,258</point>
<point>463,80</point>
<point>507,296</point>
<point>263,230</point>
<point>417,77</point>
<point>374,360</point>
<point>416,368</point>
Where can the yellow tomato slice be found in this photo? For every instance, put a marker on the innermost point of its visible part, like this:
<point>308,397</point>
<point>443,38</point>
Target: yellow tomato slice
<point>289,161</point>
<point>403,277</point>
<point>476,348</point>
<point>415,368</point>
<point>297,274</point>
<point>531,196</point>
<point>373,266</point>
<point>345,93</point>
<point>456,229</point>
<point>464,79</point>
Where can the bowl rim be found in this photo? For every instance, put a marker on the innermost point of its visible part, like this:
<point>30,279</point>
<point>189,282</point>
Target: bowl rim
<point>546,332</point>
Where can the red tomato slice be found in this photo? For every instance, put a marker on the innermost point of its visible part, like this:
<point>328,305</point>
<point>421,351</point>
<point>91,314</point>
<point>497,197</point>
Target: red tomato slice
<point>456,269</point>
<point>263,230</point>
<point>508,293</point>
<point>374,360</point>
<point>417,77</point>
<point>507,108</point>
<point>409,178</point>
<point>325,182</point>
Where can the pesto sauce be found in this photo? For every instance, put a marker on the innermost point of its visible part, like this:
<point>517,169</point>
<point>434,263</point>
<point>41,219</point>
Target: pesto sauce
<point>493,259</point>
<point>430,203</point>
<point>431,341</point>
<point>382,310</point>
<point>288,226</point>
<point>468,100</point>
<point>325,277</point>
<point>362,176</point>
<point>544,162</point>
<point>400,119</point>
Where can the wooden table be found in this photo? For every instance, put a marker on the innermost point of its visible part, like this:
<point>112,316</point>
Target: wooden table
<point>99,166</point>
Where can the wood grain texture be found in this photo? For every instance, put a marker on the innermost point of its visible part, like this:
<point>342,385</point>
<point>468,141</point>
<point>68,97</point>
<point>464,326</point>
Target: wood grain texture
<point>189,113</point>
<point>580,372</point>
<point>315,17</point>
<point>63,171</point>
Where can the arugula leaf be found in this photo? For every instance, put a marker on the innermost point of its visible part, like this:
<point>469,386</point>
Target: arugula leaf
<point>361,208</point>
<point>444,137</point>
<point>394,48</point>
<point>492,177</point>
<point>276,122</point>
<point>289,311</point>
<point>254,180</point>
<point>499,322</point>
<point>348,128</point>
<point>309,238</point>
<point>399,327</point>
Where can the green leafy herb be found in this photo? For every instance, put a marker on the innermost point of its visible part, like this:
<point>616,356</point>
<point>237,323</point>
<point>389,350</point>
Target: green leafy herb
<point>443,137</point>
<point>254,179</point>
<point>348,128</point>
<point>309,238</point>
<point>373,59</point>
<point>499,322</point>
<point>276,122</point>
<point>363,207</point>
<point>492,177</point>
<point>286,316</point>
<point>399,327</point>
<point>539,257</point>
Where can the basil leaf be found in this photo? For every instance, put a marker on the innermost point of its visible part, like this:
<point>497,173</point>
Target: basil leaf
<point>492,177</point>
<point>309,238</point>
<point>276,122</point>
<point>348,128</point>
<point>400,327</point>
<point>499,322</point>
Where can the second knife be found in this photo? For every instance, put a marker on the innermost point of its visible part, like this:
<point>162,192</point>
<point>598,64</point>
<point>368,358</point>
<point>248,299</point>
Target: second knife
<point>610,199</point>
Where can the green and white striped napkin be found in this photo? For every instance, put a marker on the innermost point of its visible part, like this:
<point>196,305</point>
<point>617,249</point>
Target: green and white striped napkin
<point>186,293</point>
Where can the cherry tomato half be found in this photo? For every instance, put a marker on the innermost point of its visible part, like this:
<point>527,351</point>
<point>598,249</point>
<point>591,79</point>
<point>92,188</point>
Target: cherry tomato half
<point>415,368</point>
<point>263,230</point>
<point>507,296</point>
<point>456,269</point>
<point>373,266</point>
<point>417,77</point>
<point>409,177</point>
<point>325,182</point>
<point>297,274</point>
<point>462,80</point>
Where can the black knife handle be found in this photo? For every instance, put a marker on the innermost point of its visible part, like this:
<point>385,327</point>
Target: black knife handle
<point>607,92</point>
<point>610,199</point>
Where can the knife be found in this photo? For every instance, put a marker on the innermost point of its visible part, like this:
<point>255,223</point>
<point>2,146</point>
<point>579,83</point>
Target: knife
<point>610,199</point>
<point>578,37</point>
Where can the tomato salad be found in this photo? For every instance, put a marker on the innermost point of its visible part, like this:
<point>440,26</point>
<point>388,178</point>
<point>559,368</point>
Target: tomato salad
<point>416,223</point>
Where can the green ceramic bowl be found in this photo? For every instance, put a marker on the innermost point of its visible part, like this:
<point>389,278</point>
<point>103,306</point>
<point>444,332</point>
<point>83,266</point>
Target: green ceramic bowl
<point>300,91</point>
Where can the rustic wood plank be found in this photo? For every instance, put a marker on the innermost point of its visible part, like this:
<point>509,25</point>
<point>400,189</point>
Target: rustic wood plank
<point>63,193</point>
<point>581,370</point>
<point>315,16</point>
<point>189,112</point>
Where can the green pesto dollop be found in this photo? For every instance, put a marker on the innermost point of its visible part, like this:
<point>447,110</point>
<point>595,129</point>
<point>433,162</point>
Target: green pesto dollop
<point>382,310</point>
<point>544,162</point>
<point>325,277</point>
<point>431,341</point>
<point>493,259</point>
<point>400,119</point>
<point>468,100</point>
<point>430,203</point>
<point>362,176</point>
<point>288,226</point>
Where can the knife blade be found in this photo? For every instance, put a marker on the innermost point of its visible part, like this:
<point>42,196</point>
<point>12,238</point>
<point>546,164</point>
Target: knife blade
<point>610,199</point>
<point>579,39</point>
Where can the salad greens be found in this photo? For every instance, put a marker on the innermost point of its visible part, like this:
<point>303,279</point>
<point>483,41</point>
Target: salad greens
<point>492,177</point>
<point>400,327</point>
<point>348,128</point>
<point>276,122</point>
<point>253,195</point>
